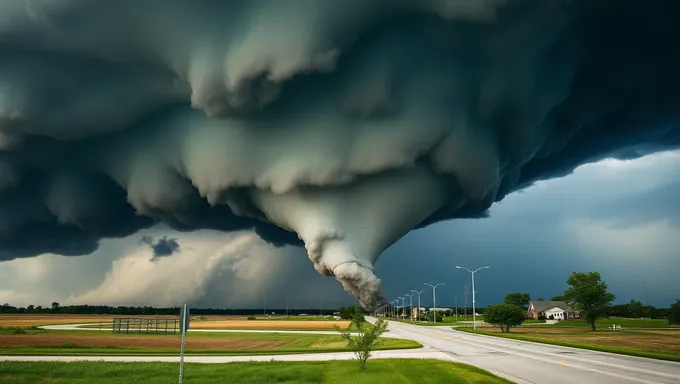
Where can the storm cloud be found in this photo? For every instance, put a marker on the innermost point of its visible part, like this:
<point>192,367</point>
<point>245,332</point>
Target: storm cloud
<point>337,125</point>
<point>162,247</point>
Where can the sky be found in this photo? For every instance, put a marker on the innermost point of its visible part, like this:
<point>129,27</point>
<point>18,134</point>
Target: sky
<point>619,218</point>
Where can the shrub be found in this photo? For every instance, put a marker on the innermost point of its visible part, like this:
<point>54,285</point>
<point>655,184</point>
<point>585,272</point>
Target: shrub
<point>504,316</point>
<point>252,318</point>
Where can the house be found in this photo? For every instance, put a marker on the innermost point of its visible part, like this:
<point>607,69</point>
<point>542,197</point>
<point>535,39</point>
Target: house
<point>551,310</point>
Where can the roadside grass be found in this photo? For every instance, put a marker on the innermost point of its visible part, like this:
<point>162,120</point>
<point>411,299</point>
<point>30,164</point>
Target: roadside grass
<point>99,343</point>
<point>591,340</point>
<point>393,371</point>
<point>446,320</point>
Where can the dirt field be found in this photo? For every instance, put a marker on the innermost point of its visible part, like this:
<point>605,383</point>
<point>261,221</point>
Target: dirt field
<point>29,320</point>
<point>650,340</point>
<point>268,324</point>
<point>141,341</point>
<point>199,322</point>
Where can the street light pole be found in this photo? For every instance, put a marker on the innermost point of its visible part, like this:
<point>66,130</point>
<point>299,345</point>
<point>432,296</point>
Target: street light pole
<point>456,299</point>
<point>410,306</point>
<point>403,300</point>
<point>474,311</point>
<point>418,293</point>
<point>434,301</point>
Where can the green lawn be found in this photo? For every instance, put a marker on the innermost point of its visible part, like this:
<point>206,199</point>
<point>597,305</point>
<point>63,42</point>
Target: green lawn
<point>393,371</point>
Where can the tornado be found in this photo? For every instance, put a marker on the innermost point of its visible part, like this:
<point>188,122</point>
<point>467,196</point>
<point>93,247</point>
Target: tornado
<point>345,229</point>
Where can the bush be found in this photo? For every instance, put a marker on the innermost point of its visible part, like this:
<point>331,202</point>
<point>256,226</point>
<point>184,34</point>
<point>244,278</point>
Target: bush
<point>504,316</point>
<point>430,316</point>
<point>365,342</point>
<point>252,318</point>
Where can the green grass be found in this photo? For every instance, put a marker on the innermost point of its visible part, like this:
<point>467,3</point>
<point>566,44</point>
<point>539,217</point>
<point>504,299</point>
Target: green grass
<point>592,347</point>
<point>447,320</point>
<point>294,343</point>
<point>622,321</point>
<point>393,371</point>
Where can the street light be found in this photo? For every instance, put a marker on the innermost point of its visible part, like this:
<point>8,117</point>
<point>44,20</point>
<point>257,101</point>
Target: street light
<point>474,312</point>
<point>418,293</point>
<point>403,300</point>
<point>410,305</point>
<point>434,300</point>
<point>456,299</point>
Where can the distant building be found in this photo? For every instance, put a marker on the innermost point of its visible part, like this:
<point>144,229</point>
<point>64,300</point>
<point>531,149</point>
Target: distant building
<point>551,310</point>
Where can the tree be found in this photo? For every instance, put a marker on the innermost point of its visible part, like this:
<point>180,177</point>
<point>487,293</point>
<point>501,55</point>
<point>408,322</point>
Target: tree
<point>504,316</point>
<point>558,298</point>
<point>348,313</point>
<point>366,340</point>
<point>520,299</point>
<point>587,293</point>
<point>635,309</point>
<point>540,299</point>
<point>674,313</point>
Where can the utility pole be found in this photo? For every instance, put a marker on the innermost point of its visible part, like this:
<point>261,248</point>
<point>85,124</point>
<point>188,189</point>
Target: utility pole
<point>474,312</point>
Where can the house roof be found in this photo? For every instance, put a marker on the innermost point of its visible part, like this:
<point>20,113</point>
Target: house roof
<point>540,306</point>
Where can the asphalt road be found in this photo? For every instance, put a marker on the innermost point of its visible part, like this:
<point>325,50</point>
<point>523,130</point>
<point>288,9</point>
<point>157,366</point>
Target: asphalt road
<point>527,362</point>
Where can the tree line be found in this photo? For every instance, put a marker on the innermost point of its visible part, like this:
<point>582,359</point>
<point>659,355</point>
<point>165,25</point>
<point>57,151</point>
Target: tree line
<point>56,308</point>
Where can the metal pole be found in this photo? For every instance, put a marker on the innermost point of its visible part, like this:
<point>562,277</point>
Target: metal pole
<point>456,299</point>
<point>474,311</point>
<point>434,301</point>
<point>181,358</point>
<point>418,292</point>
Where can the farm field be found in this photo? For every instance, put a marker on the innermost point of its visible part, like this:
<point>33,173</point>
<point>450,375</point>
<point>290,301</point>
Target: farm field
<point>198,322</point>
<point>393,371</point>
<point>39,342</point>
<point>32,320</point>
<point>269,324</point>
<point>657,343</point>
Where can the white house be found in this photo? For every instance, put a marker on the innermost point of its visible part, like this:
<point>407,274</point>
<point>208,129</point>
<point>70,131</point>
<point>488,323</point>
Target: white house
<point>552,310</point>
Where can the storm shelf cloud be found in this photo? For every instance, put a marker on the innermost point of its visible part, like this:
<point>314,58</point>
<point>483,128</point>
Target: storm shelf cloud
<point>336,125</point>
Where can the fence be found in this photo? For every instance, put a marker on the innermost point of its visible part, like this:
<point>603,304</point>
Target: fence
<point>139,325</point>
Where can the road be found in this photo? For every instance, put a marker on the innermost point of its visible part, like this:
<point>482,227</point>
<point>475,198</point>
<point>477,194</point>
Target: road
<point>527,362</point>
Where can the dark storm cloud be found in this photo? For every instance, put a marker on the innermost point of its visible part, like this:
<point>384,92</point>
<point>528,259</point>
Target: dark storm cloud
<point>345,123</point>
<point>162,247</point>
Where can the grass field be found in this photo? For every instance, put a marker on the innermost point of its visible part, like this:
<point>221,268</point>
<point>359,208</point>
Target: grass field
<point>39,342</point>
<point>393,371</point>
<point>658,344</point>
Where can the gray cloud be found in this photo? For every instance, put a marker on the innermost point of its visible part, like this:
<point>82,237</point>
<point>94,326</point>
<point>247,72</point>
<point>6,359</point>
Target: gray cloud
<point>162,247</point>
<point>342,130</point>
